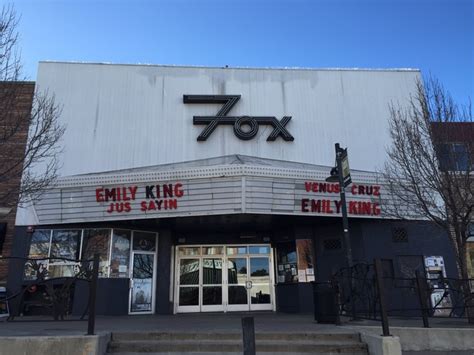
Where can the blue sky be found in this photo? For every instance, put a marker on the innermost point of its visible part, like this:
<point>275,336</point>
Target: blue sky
<point>436,36</point>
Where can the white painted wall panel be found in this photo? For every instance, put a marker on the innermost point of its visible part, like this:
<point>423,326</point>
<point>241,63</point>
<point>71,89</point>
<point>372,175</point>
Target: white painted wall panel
<point>125,116</point>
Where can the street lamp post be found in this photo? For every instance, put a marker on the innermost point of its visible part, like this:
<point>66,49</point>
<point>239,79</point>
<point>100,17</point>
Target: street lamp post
<point>341,174</point>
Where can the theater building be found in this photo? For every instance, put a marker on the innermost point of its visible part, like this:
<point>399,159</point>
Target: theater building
<point>204,189</point>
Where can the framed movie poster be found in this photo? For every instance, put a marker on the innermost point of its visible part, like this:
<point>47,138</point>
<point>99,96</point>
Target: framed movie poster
<point>141,295</point>
<point>304,251</point>
<point>120,253</point>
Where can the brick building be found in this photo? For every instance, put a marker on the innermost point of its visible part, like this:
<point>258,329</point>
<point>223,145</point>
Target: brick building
<point>15,106</point>
<point>455,147</point>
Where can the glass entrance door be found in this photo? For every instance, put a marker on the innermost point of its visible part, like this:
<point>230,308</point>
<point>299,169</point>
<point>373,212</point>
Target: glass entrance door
<point>200,280</point>
<point>142,283</point>
<point>189,282</point>
<point>211,289</point>
<point>259,283</point>
<point>224,278</point>
<point>249,284</point>
<point>142,273</point>
<point>237,284</point>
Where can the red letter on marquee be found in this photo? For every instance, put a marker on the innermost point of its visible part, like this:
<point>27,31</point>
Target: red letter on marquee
<point>178,191</point>
<point>304,205</point>
<point>99,197</point>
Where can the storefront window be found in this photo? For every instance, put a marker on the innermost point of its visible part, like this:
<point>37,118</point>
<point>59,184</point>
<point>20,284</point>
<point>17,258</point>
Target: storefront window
<point>295,261</point>
<point>39,247</point>
<point>470,262</point>
<point>81,244</point>
<point>236,250</point>
<point>212,250</point>
<point>65,244</point>
<point>189,251</point>
<point>97,241</point>
<point>144,241</point>
<point>259,249</point>
<point>57,270</point>
<point>189,272</point>
<point>120,260</point>
<point>287,262</point>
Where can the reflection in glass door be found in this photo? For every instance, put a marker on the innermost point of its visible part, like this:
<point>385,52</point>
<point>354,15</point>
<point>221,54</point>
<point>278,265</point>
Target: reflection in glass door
<point>237,292</point>
<point>211,284</point>
<point>142,283</point>
<point>189,277</point>
<point>259,277</point>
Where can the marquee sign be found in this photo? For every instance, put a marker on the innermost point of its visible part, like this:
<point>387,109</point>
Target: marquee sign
<point>221,117</point>
<point>363,200</point>
<point>207,196</point>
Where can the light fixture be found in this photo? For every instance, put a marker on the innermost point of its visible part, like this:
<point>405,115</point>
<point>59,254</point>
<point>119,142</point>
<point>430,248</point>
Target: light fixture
<point>333,175</point>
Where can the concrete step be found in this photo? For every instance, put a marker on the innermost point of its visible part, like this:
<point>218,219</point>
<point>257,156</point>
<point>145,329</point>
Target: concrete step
<point>226,346</point>
<point>184,353</point>
<point>229,353</point>
<point>226,353</point>
<point>310,336</point>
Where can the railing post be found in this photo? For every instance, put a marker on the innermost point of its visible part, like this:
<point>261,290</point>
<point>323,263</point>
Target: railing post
<point>92,295</point>
<point>381,291</point>
<point>337,301</point>
<point>248,333</point>
<point>351,294</point>
<point>422,299</point>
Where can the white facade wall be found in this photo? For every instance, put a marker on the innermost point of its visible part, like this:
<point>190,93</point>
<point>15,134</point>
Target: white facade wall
<point>125,116</point>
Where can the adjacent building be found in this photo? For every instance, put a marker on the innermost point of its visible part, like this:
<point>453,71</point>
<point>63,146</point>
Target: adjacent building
<point>15,107</point>
<point>454,143</point>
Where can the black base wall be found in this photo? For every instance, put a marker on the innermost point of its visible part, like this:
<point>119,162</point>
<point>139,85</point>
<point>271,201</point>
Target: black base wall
<point>369,239</point>
<point>112,297</point>
<point>163,282</point>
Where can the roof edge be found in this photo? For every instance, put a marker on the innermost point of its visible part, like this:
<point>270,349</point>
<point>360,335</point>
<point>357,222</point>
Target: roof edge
<point>232,67</point>
<point>241,160</point>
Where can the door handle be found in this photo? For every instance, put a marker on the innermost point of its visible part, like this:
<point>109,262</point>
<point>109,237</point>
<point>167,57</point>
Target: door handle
<point>130,284</point>
<point>248,285</point>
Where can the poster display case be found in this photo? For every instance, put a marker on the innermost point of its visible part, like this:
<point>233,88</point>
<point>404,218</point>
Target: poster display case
<point>295,261</point>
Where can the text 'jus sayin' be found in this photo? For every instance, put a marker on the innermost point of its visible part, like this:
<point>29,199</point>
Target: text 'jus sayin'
<point>157,197</point>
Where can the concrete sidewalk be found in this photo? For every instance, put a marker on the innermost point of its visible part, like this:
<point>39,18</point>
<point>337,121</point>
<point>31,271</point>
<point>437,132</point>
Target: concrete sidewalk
<point>204,322</point>
<point>413,322</point>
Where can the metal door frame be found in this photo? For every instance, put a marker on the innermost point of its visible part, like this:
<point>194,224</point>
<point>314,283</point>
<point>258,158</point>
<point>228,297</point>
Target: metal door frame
<point>155,265</point>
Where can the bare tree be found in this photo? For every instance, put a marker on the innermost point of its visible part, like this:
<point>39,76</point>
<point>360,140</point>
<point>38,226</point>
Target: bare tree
<point>29,158</point>
<point>430,168</point>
